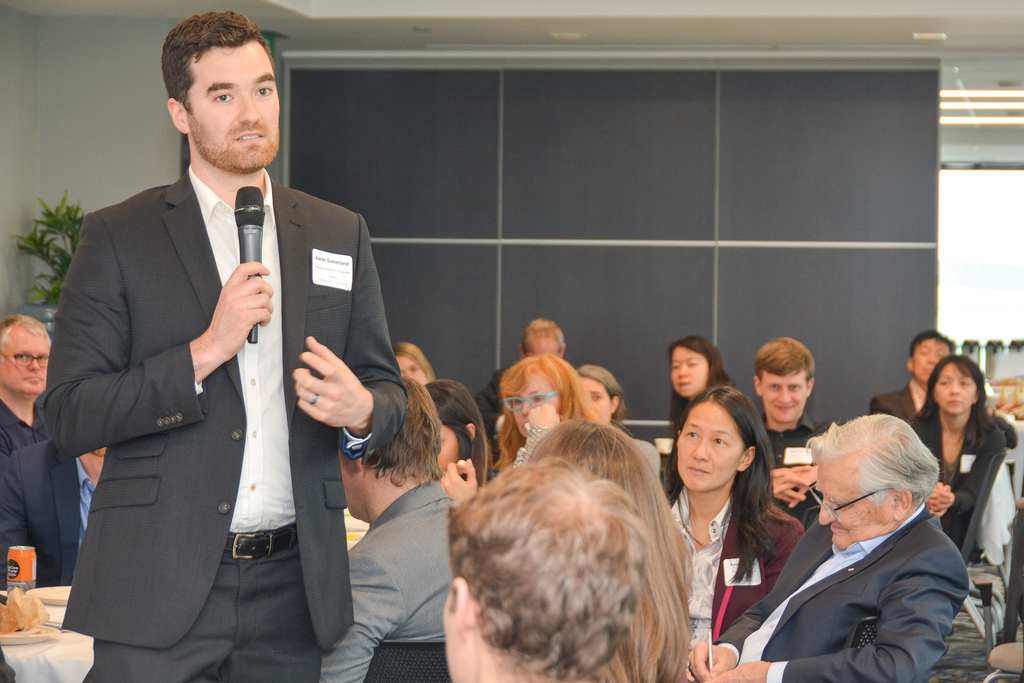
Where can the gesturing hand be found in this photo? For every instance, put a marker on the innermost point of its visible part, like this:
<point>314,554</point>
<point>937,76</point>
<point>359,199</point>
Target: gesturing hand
<point>339,399</point>
<point>243,302</point>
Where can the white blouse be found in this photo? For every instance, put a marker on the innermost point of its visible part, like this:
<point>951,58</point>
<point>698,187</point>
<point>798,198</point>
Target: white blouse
<point>704,563</point>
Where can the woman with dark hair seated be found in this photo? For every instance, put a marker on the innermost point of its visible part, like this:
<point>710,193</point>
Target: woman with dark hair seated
<point>465,455</point>
<point>955,425</point>
<point>696,365</point>
<point>719,483</point>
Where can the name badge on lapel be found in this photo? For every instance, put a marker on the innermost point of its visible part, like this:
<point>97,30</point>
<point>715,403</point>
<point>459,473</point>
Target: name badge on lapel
<point>797,456</point>
<point>966,463</point>
<point>332,270</point>
<point>731,566</point>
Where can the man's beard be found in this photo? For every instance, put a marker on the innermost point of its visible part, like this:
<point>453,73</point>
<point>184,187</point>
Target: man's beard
<point>219,153</point>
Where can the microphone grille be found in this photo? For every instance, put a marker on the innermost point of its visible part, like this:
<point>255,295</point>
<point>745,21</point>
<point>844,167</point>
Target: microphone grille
<point>249,206</point>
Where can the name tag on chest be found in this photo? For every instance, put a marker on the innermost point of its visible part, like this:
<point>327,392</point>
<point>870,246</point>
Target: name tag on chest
<point>797,456</point>
<point>332,270</point>
<point>731,566</point>
<point>966,463</point>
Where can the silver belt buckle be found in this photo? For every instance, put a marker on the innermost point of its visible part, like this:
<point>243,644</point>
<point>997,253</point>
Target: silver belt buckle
<point>234,546</point>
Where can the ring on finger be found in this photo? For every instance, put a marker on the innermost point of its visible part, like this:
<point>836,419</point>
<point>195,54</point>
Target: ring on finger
<point>312,401</point>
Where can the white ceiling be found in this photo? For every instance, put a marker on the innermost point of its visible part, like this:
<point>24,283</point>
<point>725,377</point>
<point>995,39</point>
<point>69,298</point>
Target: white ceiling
<point>984,49</point>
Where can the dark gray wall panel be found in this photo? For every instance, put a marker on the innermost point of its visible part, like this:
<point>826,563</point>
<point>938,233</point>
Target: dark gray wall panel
<point>442,298</point>
<point>416,152</point>
<point>855,309</point>
<point>829,156</point>
<point>617,155</point>
<point>619,308</point>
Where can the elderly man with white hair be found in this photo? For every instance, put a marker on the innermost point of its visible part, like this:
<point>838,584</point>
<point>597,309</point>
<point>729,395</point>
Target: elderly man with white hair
<point>876,552</point>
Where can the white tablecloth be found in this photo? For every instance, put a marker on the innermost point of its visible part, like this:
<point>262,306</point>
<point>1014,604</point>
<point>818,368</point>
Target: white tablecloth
<point>65,659</point>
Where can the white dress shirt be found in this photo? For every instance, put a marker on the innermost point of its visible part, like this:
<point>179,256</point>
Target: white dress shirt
<point>704,564</point>
<point>264,500</point>
<point>753,646</point>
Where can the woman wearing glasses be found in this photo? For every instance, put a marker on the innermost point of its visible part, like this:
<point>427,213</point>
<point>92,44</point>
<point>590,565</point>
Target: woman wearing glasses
<point>719,483</point>
<point>538,392</point>
<point>958,430</point>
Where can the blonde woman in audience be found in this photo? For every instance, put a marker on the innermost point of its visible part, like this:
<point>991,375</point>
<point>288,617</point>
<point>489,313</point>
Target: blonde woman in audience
<point>609,403</point>
<point>657,644</point>
<point>719,484</point>
<point>413,363</point>
<point>538,392</point>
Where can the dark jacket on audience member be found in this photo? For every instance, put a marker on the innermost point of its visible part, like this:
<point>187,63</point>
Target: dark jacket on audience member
<point>730,602</point>
<point>40,506</point>
<point>6,672</point>
<point>915,582</point>
<point>966,485</point>
<point>899,403</point>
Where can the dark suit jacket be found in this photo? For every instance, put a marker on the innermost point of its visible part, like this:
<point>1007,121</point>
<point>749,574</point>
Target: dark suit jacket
<point>737,599</point>
<point>142,285</point>
<point>914,582</point>
<point>899,403</point>
<point>39,506</point>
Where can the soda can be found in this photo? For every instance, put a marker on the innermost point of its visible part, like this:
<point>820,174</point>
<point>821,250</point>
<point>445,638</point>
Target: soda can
<point>21,567</point>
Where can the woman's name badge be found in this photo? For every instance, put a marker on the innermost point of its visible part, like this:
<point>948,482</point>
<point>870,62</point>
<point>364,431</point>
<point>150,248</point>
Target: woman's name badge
<point>966,463</point>
<point>797,456</point>
<point>732,565</point>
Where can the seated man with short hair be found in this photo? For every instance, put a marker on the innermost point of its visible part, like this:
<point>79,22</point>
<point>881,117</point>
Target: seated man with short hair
<point>44,503</point>
<point>926,350</point>
<point>548,567</point>
<point>399,570</point>
<point>876,552</point>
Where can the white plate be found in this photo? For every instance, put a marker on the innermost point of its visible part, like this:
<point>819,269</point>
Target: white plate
<point>52,595</point>
<point>33,635</point>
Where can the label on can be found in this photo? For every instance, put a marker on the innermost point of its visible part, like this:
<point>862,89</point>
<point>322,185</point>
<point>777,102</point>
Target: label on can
<point>13,569</point>
<point>21,563</point>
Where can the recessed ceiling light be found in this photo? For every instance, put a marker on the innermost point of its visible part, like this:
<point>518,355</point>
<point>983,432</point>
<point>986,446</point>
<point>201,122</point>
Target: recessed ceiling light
<point>930,36</point>
<point>981,93</point>
<point>567,35</point>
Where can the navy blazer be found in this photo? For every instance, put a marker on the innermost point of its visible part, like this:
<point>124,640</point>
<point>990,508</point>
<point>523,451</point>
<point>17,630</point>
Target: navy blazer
<point>914,582</point>
<point>39,506</point>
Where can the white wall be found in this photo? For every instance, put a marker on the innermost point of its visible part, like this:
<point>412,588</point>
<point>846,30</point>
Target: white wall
<point>18,142</point>
<point>104,129</point>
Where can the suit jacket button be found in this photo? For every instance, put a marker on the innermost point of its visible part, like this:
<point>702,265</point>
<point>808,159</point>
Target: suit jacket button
<point>236,434</point>
<point>224,508</point>
<point>160,422</point>
<point>177,417</point>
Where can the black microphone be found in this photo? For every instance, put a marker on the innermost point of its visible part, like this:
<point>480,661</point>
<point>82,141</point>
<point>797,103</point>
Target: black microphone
<point>249,215</point>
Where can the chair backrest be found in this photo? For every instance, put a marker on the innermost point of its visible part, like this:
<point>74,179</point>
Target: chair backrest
<point>863,633</point>
<point>1015,585</point>
<point>399,662</point>
<point>971,537</point>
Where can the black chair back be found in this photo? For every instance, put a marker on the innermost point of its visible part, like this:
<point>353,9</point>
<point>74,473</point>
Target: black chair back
<point>971,538</point>
<point>403,662</point>
<point>1015,585</point>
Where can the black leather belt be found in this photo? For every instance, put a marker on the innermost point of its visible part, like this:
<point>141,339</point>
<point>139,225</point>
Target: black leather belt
<point>261,543</point>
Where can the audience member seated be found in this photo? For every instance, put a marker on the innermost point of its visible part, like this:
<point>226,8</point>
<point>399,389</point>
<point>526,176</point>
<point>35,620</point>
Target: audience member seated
<point>608,401</point>
<point>541,336</point>
<point>540,392</point>
<point>695,366</point>
<point>719,483</point>
<point>655,649</point>
<point>24,355</point>
<point>465,455</point>
<point>547,569</point>
<point>399,570</point>
<point>44,503</point>
<point>926,350</point>
<point>876,552</point>
<point>6,672</point>
<point>784,379</point>
<point>964,438</point>
<point>413,363</point>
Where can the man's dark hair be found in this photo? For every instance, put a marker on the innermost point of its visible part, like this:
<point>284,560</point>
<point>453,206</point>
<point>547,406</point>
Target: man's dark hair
<point>922,337</point>
<point>412,453</point>
<point>194,37</point>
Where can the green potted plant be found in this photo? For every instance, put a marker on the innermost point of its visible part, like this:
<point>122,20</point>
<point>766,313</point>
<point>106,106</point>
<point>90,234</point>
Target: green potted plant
<point>53,240</point>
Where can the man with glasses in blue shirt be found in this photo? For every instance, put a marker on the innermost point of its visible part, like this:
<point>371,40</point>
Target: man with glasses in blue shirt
<point>876,552</point>
<point>24,355</point>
